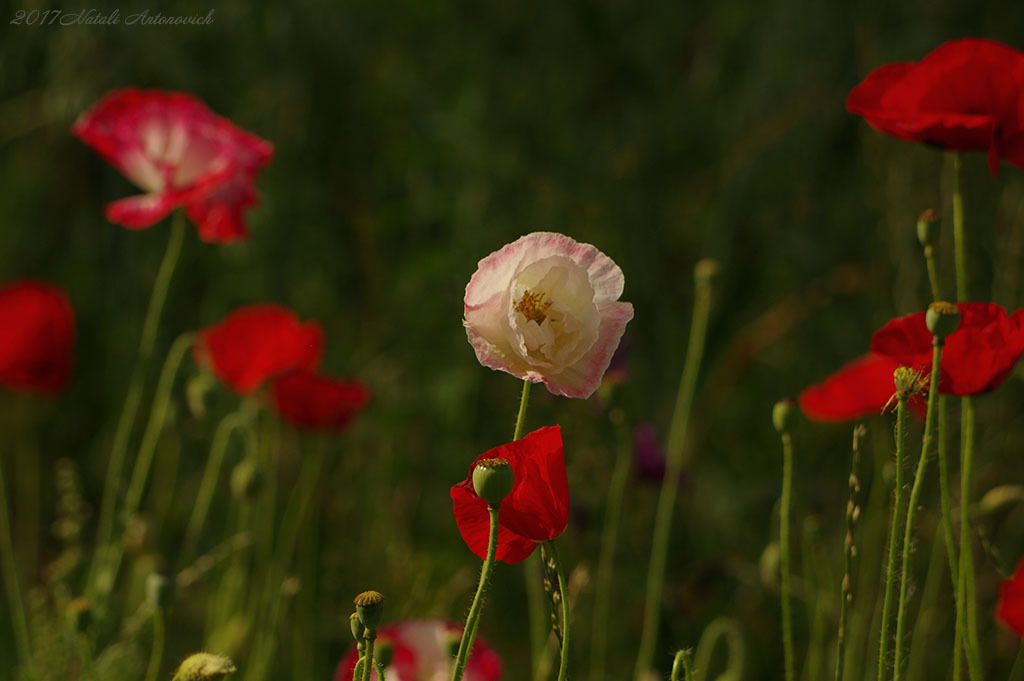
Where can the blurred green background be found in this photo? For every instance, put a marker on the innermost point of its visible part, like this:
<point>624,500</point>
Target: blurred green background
<point>413,138</point>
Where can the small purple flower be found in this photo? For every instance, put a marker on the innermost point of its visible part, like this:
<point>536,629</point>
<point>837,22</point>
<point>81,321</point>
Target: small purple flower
<point>648,456</point>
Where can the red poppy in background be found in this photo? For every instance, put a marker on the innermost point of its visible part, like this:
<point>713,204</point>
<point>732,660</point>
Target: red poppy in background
<point>181,154</point>
<point>1010,609</point>
<point>966,95</point>
<point>537,509</point>
<point>259,342</point>
<point>860,388</point>
<point>976,358</point>
<point>38,334</point>
<point>421,651</point>
<point>319,402</point>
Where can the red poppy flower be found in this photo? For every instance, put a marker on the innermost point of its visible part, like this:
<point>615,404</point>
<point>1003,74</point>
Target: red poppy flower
<point>965,95</point>
<point>421,650</point>
<point>1010,609</point>
<point>38,334</point>
<point>313,401</point>
<point>976,358</point>
<point>182,154</point>
<point>536,510</point>
<point>860,388</point>
<point>257,343</point>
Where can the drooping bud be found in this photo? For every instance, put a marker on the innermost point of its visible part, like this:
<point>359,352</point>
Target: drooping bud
<point>79,614</point>
<point>784,415</point>
<point>384,652</point>
<point>493,480</point>
<point>204,667</point>
<point>942,319</point>
<point>196,390</point>
<point>246,480</point>
<point>369,608</point>
<point>706,271</point>
<point>358,630</point>
<point>160,591</point>
<point>928,228</point>
<point>908,382</point>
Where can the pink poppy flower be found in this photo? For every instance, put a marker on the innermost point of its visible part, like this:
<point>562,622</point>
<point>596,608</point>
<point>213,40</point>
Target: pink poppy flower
<point>545,308</point>
<point>37,338</point>
<point>181,154</point>
<point>422,651</point>
<point>964,95</point>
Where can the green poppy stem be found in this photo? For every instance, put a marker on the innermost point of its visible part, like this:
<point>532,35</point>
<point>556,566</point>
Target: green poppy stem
<point>966,607</point>
<point>894,531</point>
<point>10,569</point>
<point>130,409</point>
<point>156,655</point>
<point>958,229</point>
<point>472,620</point>
<point>563,665</point>
<point>785,563</point>
<point>915,493</point>
<point>682,664</point>
<point>670,484</point>
<point>845,591</point>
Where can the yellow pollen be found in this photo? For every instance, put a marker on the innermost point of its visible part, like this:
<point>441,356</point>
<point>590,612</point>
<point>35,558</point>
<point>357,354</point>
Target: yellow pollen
<point>533,306</point>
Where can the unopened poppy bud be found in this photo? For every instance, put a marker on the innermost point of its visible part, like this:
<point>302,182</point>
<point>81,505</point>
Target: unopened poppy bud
<point>159,591</point>
<point>493,480</point>
<point>928,228</point>
<point>706,271</point>
<point>942,319</point>
<point>369,607</point>
<point>204,667</point>
<point>79,614</point>
<point>784,415</point>
<point>358,630</point>
<point>195,393</point>
<point>908,382</point>
<point>246,480</point>
<point>384,652</point>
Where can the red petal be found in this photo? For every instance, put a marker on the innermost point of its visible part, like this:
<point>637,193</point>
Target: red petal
<point>39,332</point>
<point>474,525</point>
<point>319,402</point>
<point>860,388</point>
<point>1010,609</point>
<point>259,342</point>
<point>140,212</point>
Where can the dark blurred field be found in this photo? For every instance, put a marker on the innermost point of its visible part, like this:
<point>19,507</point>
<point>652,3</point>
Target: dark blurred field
<point>414,138</point>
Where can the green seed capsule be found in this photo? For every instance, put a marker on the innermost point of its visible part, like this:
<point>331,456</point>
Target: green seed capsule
<point>784,415</point>
<point>493,480</point>
<point>928,228</point>
<point>942,319</point>
<point>204,667</point>
<point>369,608</point>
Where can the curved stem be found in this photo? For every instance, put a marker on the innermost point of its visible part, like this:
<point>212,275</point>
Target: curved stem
<point>933,273</point>
<point>606,562</point>
<point>966,610</point>
<point>524,400</point>
<point>564,591</point>
<point>784,562</point>
<point>157,654</point>
<point>469,632</point>
<point>126,421</point>
<point>670,484</point>
<point>10,569</point>
<point>682,664</point>
<point>897,516</point>
<point>958,230</point>
<point>208,485</point>
<point>915,493</point>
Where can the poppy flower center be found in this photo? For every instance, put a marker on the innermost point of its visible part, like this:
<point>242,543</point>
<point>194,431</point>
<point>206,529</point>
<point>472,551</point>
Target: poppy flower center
<point>533,306</point>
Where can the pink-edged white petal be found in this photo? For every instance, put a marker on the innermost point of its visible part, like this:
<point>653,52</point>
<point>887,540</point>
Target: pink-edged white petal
<point>583,378</point>
<point>140,212</point>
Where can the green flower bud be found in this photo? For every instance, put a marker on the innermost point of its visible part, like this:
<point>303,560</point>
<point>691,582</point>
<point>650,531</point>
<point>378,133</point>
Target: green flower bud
<point>196,390</point>
<point>928,228</point>
<point>160,591</point>
<point>493,480</point>
<point>784,415</point>
<point>358,630</point>
<point>79,614</point>
<point>384,652</point>
<point>942,319</point>
<point>706,271</point>
<point>246,480</point>
<point>204,667</point>
<point>369,608</point>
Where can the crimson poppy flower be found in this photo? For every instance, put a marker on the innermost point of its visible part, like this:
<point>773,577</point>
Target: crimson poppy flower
<point>421,651</point>
<point>965,95</point>
<point>38,334</point>
<point>1010,609</point>
<point>182,154</point>
<point>259,342</point>
<point>310,400</point>
<point>537,509</point>
<point>976,358</point>
<point>860,388</point>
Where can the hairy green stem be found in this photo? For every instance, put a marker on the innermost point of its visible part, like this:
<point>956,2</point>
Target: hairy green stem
<point>958,230</point>
<point>126,421</point>
<point>371,636</point>
<point>933,273</point>
<point>966,610</point>
<point>915,493</point>
<point>785,563</point>
<point>682,664</point>
<point>609,540</point>
<point>670,484</point>
<point>472,620</point>
<point>894,531</point>
<point>563,665</point>
<point>156,656</point>
<point>10,569</point>
<point>927,618</point>
<point>845,590</point>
